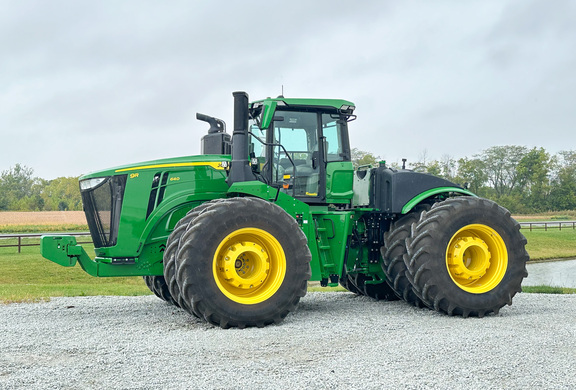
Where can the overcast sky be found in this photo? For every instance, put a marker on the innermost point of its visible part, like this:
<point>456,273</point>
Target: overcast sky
<point>87,85</point>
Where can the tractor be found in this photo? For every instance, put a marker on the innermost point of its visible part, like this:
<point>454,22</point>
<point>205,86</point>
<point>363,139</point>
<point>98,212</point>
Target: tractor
<point>234,235</point>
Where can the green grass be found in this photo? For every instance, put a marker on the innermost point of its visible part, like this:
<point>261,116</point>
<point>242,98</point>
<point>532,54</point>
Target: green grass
<point>27,276</point>
<point>314,288</point>
<point>551,244</point>
<point>9,229</point>
<point>548,290</point>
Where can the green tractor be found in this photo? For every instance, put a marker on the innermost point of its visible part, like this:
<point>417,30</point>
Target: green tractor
<point>234,235</point>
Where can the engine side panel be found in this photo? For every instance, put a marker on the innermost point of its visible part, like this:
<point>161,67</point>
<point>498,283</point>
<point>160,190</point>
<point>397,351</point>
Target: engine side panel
<point>391,189</point>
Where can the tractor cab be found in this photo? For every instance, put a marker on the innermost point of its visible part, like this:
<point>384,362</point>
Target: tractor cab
<point>300,145</point>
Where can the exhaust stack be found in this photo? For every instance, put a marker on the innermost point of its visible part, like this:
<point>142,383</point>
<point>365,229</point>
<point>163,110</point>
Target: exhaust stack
<point>240,167</point>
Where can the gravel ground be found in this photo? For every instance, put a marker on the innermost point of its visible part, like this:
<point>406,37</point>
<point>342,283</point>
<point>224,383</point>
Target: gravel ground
<point>333,341</point>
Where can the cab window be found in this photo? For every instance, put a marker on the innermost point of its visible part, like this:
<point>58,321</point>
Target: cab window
<point>298,160</point>
<point>332,130</point>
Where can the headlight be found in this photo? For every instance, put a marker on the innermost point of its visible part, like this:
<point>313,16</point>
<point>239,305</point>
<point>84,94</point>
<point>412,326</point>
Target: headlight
<point>91,183</point>
<point>346,109</point>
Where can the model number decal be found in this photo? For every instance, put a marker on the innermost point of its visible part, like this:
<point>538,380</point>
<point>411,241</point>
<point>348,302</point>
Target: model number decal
<point>134,175</point>
<point>174,178</point>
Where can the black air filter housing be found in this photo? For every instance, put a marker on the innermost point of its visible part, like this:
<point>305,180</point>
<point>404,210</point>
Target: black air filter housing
<point>216,143</point>
<point>391,189</point>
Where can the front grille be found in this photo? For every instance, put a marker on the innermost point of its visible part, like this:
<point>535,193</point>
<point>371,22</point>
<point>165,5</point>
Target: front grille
<point>102,205</point>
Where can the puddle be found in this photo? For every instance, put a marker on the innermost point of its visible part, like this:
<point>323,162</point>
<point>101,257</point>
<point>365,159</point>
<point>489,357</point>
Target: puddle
<point>553,273</point>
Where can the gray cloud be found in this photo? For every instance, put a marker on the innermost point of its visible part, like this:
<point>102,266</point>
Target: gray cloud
<point>87,85</point>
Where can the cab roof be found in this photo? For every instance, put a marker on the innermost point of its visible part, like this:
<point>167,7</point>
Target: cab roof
<point>269,105</point>
<point>314,102</point>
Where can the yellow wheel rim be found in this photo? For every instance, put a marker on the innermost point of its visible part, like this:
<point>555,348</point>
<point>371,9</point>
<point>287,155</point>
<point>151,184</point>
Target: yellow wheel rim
<point>249,266</point>
<point>476,258</point>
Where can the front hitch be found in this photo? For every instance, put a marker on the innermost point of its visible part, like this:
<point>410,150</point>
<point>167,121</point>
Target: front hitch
<point>60,249</point>
<point>64,251</point>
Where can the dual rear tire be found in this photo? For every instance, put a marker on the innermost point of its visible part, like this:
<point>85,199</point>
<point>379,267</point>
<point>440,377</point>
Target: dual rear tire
<point>464,256</point>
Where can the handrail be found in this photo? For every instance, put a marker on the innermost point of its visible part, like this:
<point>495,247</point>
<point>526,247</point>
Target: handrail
<point>20,236</point>
<point>548,224</point>
<point>530,225</point>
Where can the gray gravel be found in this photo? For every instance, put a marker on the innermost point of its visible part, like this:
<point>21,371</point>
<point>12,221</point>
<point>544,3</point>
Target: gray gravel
<point>333,341</point>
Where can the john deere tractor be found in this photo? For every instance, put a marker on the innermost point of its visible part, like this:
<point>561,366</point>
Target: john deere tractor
<point>234,235</point>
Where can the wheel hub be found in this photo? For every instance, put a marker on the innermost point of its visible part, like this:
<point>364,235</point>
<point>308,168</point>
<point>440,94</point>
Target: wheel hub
<point>246,265</point>
<point>469,259</point>
<point>249,265</point>
<point>476,258</point>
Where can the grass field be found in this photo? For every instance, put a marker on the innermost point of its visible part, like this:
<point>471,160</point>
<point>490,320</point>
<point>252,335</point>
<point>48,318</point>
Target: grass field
<point>551,244</point>
<point>42,218</point>
<point>27,276</point>
<point>42,221</point>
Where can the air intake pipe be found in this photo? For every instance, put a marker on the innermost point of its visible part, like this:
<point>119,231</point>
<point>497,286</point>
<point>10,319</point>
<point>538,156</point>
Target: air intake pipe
<point>217,141</point>
<point>240,167</point>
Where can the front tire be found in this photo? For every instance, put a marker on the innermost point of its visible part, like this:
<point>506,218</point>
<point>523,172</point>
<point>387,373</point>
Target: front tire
<point>243,262</point>
<point>466,256</point>
<point>172,247</point>
<point>158,285</point>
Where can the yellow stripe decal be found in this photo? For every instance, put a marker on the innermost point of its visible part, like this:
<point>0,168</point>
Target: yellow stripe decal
<point>213,164</point>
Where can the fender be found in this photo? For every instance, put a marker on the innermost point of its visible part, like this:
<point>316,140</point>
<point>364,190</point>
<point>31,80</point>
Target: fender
<point>434,191</point>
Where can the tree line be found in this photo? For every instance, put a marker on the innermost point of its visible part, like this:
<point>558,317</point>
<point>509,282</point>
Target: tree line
<point>21,191</point>
<point>521,179</point>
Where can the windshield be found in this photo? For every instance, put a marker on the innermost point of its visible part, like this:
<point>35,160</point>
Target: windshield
<point>257,140</point>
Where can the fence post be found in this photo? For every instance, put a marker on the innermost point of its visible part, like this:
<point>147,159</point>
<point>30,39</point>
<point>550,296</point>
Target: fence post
<point>19,243</point>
